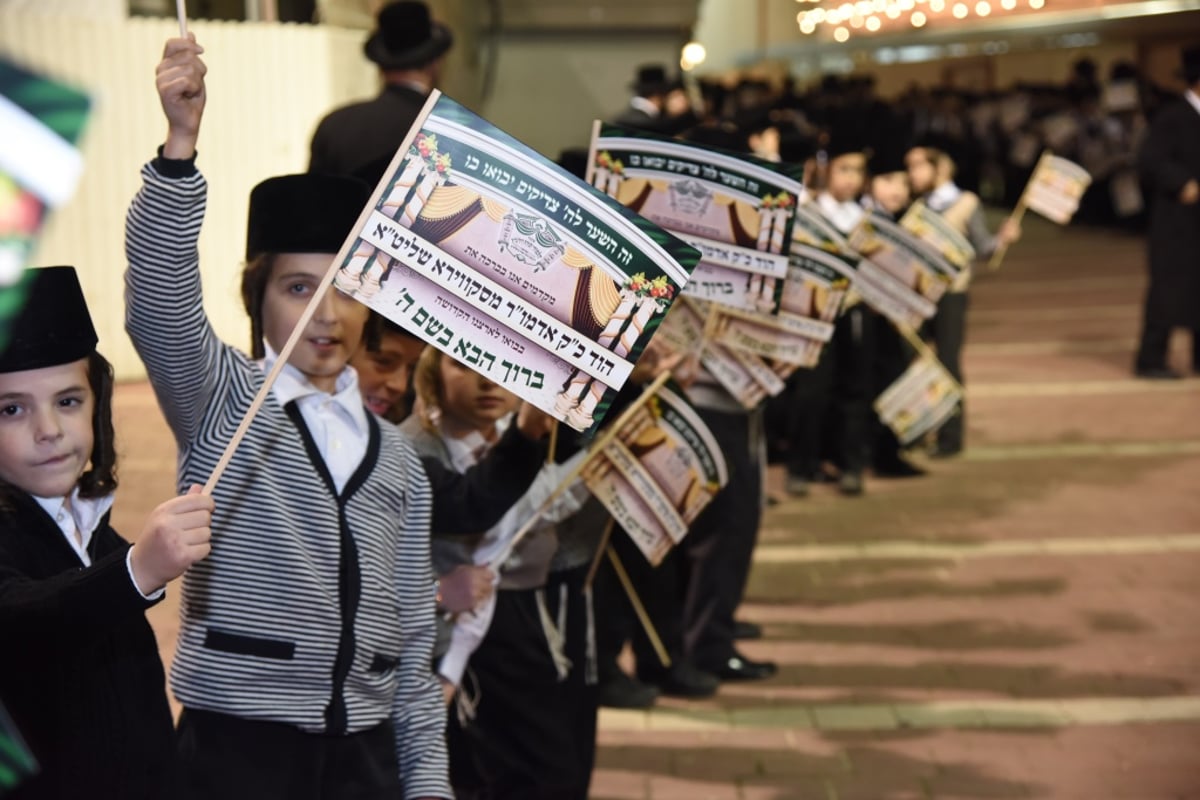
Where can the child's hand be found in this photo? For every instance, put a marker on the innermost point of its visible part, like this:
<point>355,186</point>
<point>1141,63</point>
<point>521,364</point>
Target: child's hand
<point>465,588</point>
<point>180,83</point>
<point>534,423</point>
<point>1010,232</point>
<point>175,537</point>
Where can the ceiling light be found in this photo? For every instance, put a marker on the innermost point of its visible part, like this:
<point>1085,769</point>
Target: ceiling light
<point>960,9</point>
<point>1036,3</point>
<point>917,19</point>
<point>873,24</point>
<point>983,8</point>
<point>841,34</point>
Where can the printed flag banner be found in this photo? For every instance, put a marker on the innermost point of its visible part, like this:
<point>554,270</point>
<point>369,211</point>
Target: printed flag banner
<point>1055,188</point>
<point>938,234</point>
<point>41,121</point>
<point>657,474</point>
<point>899,276</point>
<point>920,400</point>
<point>746,377</point>
<point>508,264</point>
<point>736,210</point>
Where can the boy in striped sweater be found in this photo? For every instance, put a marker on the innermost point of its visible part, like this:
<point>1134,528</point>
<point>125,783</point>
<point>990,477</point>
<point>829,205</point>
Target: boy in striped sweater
<point>303,660</point>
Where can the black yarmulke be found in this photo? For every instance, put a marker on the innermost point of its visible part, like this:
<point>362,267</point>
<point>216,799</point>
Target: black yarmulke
<point>307,213</point>
<point>53,326</point>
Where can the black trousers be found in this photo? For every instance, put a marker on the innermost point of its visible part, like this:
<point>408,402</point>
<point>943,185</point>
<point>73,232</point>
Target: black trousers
<point>571,607</point>
<point>520,743</point>
<point>948,329</point>
<point>1156,338</point>
<point>892,356</point>
<point>832,411</point>
<point>222,757</point>
<point>715,556</point>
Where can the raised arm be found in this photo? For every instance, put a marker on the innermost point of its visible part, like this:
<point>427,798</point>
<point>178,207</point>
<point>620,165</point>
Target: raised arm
<point>164,315</point>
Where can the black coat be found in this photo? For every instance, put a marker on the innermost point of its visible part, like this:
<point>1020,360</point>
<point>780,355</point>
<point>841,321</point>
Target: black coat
<point>80,672</point>
<point>360,139</point>
<point>1169,158</point>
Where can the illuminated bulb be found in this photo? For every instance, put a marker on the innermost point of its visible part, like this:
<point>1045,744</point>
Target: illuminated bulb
<point>879,6</point>
<point>845,10</point>
<point>817,14</point>
<point>807,26</point>
<point>800,17</point>
<point>906,5</point>
<point>873,24</point>
<point>982,8</point>
<point>841,34</point>
<point>1008,5</point>
<point>862,8</point>
<point>937,6</point>
<point>917,19</point>
<point>1036,3</point>
<point>892,12</point>
<point>694,53</point>
<point>960,10</point>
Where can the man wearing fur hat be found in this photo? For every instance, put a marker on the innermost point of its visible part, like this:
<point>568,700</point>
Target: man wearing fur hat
<point>1170,167</point>
<point>359,139</point>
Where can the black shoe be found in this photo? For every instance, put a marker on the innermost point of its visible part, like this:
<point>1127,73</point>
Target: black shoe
<point>622,691</point>
<point>739,668</point>
<point>683,679</point>
<point>945,451</point>
<point>897,467</point>
<point>746,630</point>
<point>851,484</point>
<point>1157,374</point>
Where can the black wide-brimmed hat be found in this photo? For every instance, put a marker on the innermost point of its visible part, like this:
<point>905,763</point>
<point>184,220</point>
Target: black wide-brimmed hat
<point>652,79</point>
<point>406,37</point>
<point>307,213</point>
<point>53,326</point>
<point>1191,64</point>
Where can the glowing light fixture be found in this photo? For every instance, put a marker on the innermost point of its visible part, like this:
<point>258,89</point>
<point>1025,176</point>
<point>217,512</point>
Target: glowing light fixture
<point>960,10</point>
<point>873,24</point>
<point>983,8</point>
<point>917,19</point>
<point>840,34</point>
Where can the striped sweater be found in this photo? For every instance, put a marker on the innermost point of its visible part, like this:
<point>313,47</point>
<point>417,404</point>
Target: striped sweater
<point>314,609</point>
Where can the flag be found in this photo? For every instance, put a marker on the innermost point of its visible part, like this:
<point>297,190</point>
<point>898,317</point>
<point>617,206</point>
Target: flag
<point>920,400</point>
<point>658,472</point>
<point>1056,187</point>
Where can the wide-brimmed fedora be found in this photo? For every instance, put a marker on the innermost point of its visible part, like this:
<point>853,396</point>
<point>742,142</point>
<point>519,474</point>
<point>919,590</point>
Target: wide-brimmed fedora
<point>406,36</point>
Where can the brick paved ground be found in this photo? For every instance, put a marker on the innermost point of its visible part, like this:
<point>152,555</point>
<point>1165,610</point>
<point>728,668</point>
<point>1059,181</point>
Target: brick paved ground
<point>1020,624</point>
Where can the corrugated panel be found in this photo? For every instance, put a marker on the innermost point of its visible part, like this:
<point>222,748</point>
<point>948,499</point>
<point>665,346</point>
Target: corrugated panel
<point>268,85</point>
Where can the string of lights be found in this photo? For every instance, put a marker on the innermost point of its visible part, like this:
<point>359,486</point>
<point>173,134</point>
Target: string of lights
<point>871,16</point>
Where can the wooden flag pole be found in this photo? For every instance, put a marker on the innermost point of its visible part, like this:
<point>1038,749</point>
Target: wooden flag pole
<point>638,608</point>
<point>597,447</point>
<point>600,548</point>
<point>1018,212</point>
<point>553,446</point>
<point>181,13</point>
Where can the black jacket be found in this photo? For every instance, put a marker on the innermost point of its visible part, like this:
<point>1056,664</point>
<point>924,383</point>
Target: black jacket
<point>80,672</point>
<point>360,139</point>
<point>1170,157</point>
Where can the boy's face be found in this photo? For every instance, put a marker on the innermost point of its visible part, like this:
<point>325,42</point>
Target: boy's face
<point>922,172</point>
<point>46,428</point>
<point>383,377</point>
<point>333,334</point>
<point>471,401</point>
<point>847,174</point>
<point>890,191</point>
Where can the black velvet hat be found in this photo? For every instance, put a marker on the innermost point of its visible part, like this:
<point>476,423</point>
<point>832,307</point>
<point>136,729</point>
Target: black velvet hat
<point>406,37</point>
<point>886,159</point>
<point>844,141</point>
<point>652,79</point>
<point>53,326</point>
<point>1191,64</point>
<point>305,213</point>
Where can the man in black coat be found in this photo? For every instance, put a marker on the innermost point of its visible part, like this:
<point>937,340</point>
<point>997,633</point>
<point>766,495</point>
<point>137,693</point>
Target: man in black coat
<point>1170,168</point>
<point>361,138</point>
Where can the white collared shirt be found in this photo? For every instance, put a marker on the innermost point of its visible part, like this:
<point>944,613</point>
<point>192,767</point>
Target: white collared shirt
<point>337,422</point>
<point>844,216</point>
<point>83,515</point>
<point>943,197</point>
<point>1193,98</point>
<point>645,106</point>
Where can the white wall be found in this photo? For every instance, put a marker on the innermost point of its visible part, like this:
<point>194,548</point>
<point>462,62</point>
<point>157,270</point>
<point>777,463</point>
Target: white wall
<point>268,85</point>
